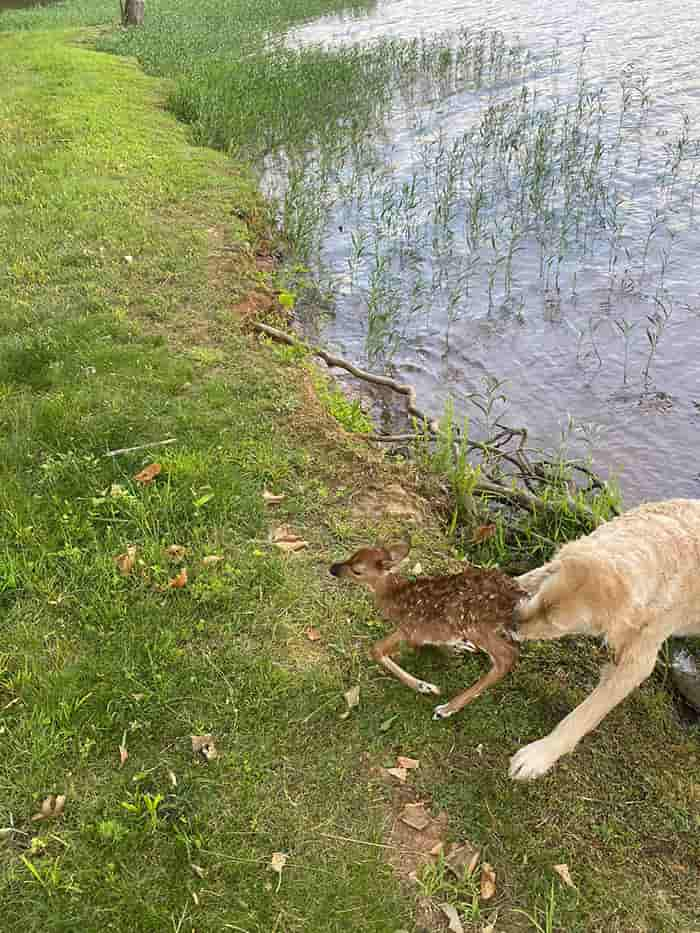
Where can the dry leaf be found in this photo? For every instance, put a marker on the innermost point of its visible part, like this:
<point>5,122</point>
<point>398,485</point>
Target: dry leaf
<point>212,559</point>
<point>51,807</point>
<point>277,863</point>
<point>204,745</point>
<point>399,773</point>
<point>271,498</point>
<point>148,474</point>
<point>414,815</point>
<point>176,552</point>
<point>287,539</point>
<point>437,849</point>
<point>483,533</point>
<point>312,633</point>
<point>172,778</point>
<point>179,581</point>
<point>123,753</point>
<point>197,869</point>
<point>352,698</point>
<point>565,875</point>
<point>451,913</point>
<point>125,562</point>
<point>488,881</point>
<point>463,859</point>
<point>417,569</point>
<point>408,763</point>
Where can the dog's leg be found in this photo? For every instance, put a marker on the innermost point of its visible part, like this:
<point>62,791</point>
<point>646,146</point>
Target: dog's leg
<point>391,645</point>
<point>616,682</point>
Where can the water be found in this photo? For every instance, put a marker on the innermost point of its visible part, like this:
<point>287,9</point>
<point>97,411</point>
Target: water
<point>609,333</point>
<point>22,4</point>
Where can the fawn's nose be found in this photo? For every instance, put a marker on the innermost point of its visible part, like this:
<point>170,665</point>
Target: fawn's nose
<point>335,569</point>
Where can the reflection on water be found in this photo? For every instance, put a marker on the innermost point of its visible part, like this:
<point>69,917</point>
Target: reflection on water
<point>583,296</point>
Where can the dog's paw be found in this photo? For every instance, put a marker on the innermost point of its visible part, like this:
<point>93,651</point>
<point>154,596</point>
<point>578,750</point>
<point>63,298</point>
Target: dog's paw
<point>533,760</point>
<point>443,712</point>
<point>425,687</point>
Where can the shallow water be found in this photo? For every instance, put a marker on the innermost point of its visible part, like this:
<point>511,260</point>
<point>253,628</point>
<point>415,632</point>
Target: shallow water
<point>557,339</point>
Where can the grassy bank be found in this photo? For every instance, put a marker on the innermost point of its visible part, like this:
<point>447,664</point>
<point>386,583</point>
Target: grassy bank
<point>124,252</point>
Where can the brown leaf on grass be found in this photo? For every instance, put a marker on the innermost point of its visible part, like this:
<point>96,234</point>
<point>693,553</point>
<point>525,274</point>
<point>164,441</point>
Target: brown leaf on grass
<point>204,745</point>
<point>277,863</point>
<point>287,540</point>
<point>125,562</point>
<point>211,559</point>
<point>565,875</point>
<point>483,533</point>
<point>123,753</point>
<point>463,859</point>
<point>414,815</point>
<point>270,497</point>
<point>488,881</point>
<point>408,763</point>
<point>451,913</point>
<point>51,807</point>
<point>352,698</point>
<point>148,474</point>
<point>437,849</point>
<point>178,581</point>
<point>312,633</point>
<point>399,773</point>
<point>176,552</point>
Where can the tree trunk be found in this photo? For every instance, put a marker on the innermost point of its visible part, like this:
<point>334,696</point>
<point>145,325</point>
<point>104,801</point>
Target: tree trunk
<point>132,12</point>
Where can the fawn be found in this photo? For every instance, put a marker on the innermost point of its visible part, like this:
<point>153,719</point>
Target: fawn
<point>467,611</point>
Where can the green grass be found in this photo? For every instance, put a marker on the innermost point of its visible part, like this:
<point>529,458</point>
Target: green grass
<point>99,351</point>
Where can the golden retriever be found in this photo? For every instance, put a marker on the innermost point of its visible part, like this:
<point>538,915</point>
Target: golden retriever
<point>633,581</point>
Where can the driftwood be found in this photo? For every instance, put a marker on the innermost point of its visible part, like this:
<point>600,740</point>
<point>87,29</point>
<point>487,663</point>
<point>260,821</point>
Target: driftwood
<point>132,12</point>
<point>503,464</point>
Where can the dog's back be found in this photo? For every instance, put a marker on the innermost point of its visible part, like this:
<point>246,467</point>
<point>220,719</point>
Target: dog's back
<point>641,569</point>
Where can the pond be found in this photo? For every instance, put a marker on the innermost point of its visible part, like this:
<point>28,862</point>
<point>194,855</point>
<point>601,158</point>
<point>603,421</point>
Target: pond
<point>22,4</point>
<point>529,223</point>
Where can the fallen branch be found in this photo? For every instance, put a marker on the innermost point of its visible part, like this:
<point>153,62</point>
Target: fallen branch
<point>531,474</point>
<point>402,388</point>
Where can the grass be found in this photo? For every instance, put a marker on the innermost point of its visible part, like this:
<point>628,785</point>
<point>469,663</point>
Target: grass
<point>124,248</point>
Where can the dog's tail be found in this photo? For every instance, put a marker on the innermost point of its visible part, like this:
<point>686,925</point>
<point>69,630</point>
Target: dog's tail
<point>550,585</point>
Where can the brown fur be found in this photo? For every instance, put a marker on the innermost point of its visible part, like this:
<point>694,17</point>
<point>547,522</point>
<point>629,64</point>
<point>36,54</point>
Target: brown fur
<point>634,582</point>
<point>468,611</point>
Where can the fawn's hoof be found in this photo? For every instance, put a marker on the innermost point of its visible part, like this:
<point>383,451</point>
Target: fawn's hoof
<point>443,712</point>
<point>425,687</point>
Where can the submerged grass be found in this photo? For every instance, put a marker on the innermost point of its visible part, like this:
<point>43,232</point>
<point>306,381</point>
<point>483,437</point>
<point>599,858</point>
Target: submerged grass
<point>115,330</point>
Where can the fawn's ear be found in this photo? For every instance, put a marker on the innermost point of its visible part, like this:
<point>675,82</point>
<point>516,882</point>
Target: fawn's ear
<point>396,553</point>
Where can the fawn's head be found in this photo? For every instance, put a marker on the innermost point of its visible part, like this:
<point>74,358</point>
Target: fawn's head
<point>370,565</point>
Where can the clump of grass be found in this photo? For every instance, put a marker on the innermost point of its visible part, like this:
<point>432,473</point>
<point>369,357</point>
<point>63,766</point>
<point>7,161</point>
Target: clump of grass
<point>512,505</point>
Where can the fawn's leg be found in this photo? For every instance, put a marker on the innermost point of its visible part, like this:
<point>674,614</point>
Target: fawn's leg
<point>616,682</point>
<point>498,671</point>
<point>391,645</point>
